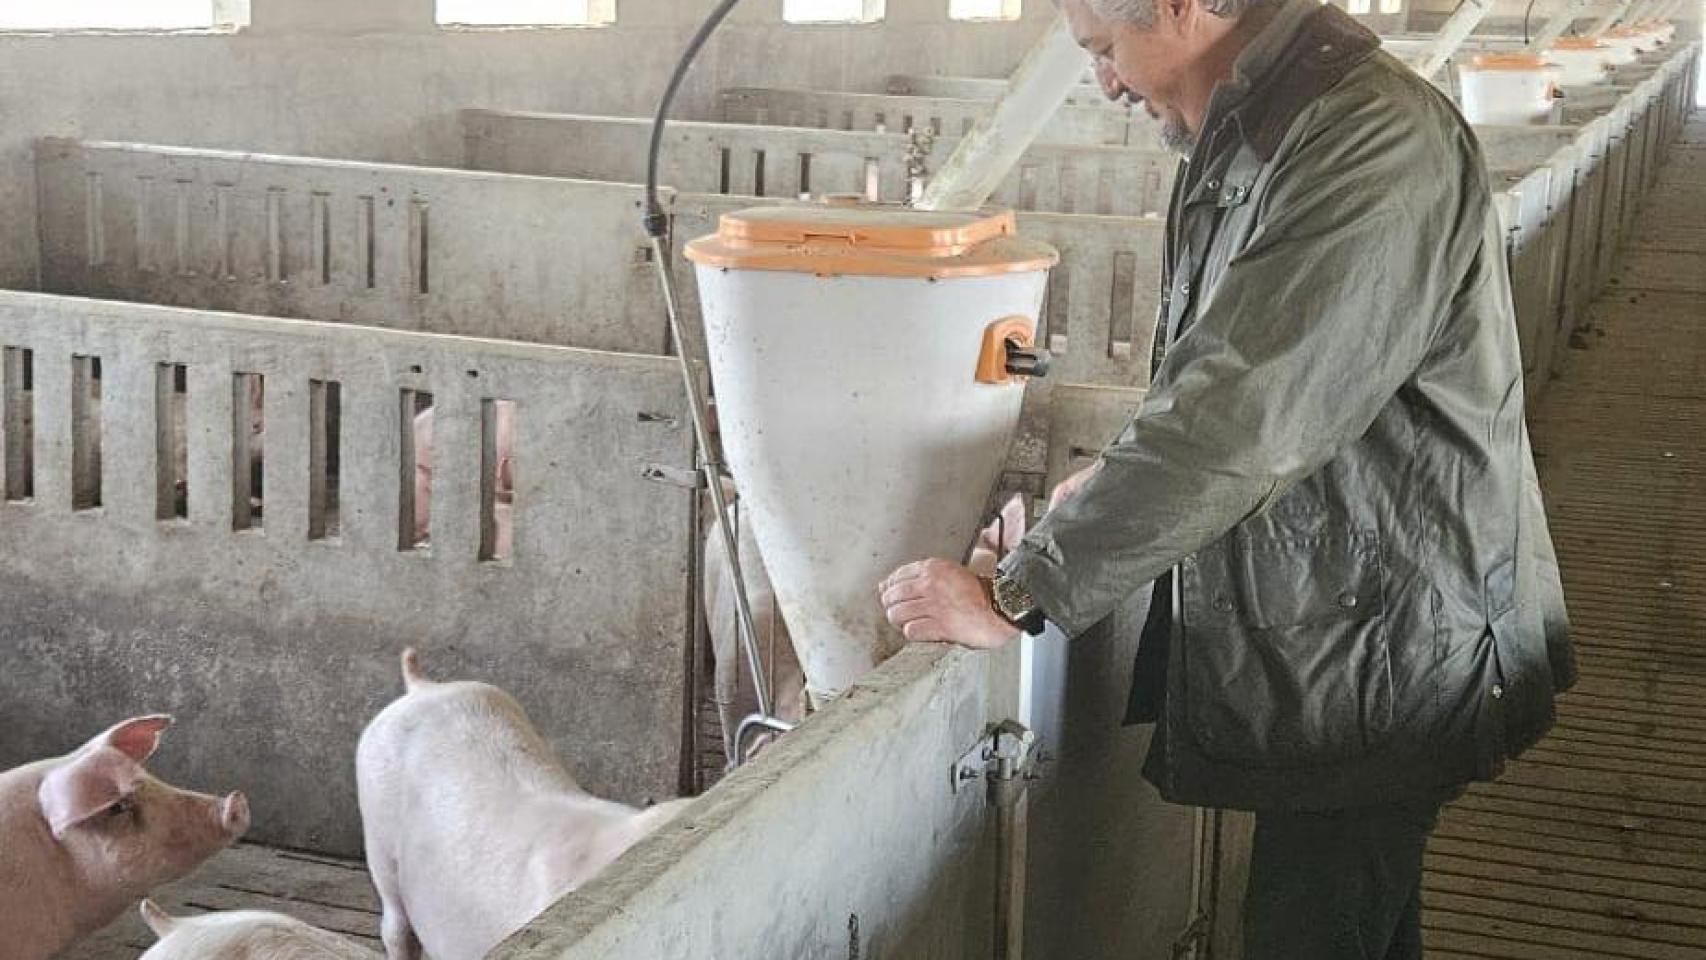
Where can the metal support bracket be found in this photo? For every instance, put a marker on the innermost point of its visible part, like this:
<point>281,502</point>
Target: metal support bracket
<point>1007,754</point>
<point>686,478</point>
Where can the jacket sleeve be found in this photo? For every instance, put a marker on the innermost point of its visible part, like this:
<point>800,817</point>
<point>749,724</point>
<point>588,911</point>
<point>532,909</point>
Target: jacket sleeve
<point>1367,235</point>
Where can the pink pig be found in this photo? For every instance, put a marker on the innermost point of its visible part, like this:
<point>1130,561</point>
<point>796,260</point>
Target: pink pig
<point>503,507</point>
<point>472,825</point>
<point>243,935</point>
<point>86,836</point>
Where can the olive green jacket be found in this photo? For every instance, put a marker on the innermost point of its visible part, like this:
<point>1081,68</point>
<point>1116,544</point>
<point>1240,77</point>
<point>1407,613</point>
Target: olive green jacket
<point>1332,457</point>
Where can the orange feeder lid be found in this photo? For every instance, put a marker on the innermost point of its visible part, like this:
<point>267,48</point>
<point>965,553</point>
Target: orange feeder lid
<point>1579,43</point>
<point>851,236</point>
<point>1511,61</point>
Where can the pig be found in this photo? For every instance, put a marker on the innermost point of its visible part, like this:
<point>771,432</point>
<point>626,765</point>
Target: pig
<point>243,935</point>
<point>472,826</point>
<point>503,507</point>
<point>85,836</point>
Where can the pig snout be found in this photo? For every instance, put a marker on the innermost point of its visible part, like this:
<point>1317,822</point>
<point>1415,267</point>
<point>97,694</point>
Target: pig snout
<point>234,815</point>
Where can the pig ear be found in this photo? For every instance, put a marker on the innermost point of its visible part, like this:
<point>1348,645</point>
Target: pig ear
<point>136,738</point>
<point>82,787</point>
<point>158,920</point>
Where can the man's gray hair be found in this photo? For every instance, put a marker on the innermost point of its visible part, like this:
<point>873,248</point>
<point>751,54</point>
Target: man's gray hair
<point>1142,12</point>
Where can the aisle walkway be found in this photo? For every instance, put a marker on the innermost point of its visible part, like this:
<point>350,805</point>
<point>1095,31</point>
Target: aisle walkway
<point>1594,845</point>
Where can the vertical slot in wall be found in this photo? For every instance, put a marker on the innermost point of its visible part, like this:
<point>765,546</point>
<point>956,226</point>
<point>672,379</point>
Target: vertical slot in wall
<point>171,442</point>
<point>17,408</point>
<point>85,432</point>
<point>414,516</point>
<point>497,479</point>
<point>248,450</point>
<point>325,437</point>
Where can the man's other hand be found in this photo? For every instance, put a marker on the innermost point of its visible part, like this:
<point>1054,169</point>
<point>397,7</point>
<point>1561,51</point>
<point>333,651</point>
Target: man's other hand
<point>938,601</point>
<point>1066,489</point>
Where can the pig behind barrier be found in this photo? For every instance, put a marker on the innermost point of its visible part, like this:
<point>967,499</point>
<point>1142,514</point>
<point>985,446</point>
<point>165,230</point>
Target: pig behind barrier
<point>243,935</point>
<point>472,825</point>
<point>85,836</point>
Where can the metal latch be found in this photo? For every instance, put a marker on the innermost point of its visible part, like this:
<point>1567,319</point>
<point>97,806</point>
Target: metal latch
<point>1007,753</point>
<point>686,478</point>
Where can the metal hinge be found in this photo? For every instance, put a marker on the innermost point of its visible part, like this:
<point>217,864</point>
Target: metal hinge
<point>1007,754</point>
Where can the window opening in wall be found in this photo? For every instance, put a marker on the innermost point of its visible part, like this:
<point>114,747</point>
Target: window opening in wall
<point>325,439</point>
<point>1359,7</point>
<point>832,11</point>
<point>1391,6</point>
<point>17,421</point>
<point>123,14</point>
<point>414,518</point>
<point>171,442</point>
<point>497,479</point>
<point>983,9</point>
<point>85,432</point>
<point>526,13</point>
<point>248,449</point>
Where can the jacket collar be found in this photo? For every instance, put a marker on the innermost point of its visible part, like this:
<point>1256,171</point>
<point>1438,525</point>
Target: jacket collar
<point>1301,53</point>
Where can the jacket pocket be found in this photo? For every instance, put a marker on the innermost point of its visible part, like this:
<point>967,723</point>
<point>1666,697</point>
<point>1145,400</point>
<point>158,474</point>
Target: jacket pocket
<point>1285,649</point>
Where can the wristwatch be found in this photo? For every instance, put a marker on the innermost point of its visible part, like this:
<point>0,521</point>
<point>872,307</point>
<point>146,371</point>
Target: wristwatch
<point>1016,605</point>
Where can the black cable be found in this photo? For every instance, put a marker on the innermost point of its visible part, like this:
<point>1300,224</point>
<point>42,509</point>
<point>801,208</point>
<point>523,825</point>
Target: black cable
<point>1525,16</point>
<point>657,222</point>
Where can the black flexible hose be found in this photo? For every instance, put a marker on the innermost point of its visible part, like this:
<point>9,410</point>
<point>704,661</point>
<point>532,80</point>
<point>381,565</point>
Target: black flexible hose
<point>1525,15</point>
<point>657,222</point>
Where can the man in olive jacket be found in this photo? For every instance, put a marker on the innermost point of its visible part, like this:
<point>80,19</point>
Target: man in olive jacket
<point>1357,608</point>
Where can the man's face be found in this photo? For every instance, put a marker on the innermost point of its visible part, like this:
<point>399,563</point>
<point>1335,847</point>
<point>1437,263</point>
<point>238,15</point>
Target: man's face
<point>1141,63</point>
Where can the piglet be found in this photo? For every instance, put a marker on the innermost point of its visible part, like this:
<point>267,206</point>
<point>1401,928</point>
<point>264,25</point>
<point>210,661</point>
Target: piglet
<point>243,935</point>
<point>84,837</point>
<point>472,825</point>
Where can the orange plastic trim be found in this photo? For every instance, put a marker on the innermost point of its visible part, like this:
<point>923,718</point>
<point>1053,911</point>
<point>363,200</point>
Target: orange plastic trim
<point>1579,43</point>
<point>992,360</point>
<point>1516,62</point>
<point>870,240</point>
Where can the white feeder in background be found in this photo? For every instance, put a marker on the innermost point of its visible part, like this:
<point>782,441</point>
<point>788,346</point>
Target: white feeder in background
<point>1582,60</point>
<point>869,364</point>
<point>1509,89</point>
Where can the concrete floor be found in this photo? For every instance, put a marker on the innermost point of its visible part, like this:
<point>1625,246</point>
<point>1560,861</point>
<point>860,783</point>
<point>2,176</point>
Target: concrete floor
<point>329,893</point>
<point>1594,844</point>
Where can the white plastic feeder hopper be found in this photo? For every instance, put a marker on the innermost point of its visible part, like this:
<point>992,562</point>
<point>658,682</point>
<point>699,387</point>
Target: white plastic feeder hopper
<point>1628,43</point>
<point>1511,89</point>
<point>1583,60</point>
<point>869,363</point>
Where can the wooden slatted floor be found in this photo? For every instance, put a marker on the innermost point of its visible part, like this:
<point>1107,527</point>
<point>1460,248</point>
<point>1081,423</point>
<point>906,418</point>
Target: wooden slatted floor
<point>328,893</point>
<point>1594,844</point>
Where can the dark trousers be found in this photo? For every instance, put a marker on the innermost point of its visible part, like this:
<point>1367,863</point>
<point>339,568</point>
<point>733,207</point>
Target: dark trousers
<point>1343,885</point>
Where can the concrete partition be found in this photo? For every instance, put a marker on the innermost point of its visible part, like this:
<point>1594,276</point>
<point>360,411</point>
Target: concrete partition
<point>269,617</point>
<point>1090,125</point>
<point>984,88</point>
<point>447,251</point>
<point>754,869</point>
<point>783,162</point>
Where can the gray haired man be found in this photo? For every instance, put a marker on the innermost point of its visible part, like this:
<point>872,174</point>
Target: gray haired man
<point>1356,606</point>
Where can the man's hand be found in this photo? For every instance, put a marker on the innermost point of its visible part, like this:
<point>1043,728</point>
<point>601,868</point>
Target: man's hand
<point>1066,489</point>
<point>937,601</point>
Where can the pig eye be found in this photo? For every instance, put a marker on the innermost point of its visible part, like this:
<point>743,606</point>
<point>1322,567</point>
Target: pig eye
<point>124,807</point>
